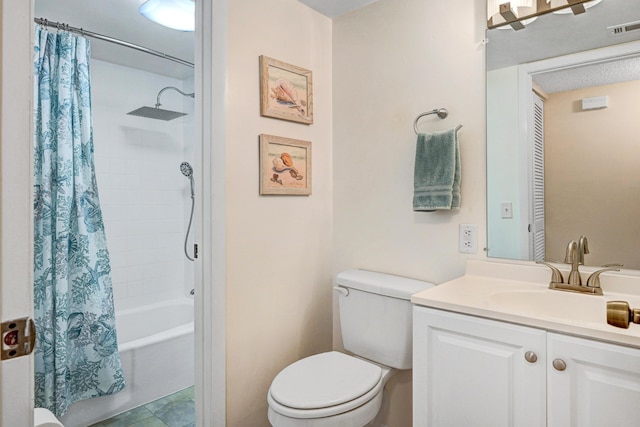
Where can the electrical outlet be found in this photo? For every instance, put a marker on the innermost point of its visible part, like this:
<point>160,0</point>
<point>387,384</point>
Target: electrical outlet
<point>468,238</point>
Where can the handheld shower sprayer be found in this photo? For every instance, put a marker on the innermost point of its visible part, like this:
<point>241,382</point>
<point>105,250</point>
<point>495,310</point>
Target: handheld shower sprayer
<point>187,171</point>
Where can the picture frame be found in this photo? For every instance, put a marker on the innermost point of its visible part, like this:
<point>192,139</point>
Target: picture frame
<point>285,166</point>
<point>286,91</point>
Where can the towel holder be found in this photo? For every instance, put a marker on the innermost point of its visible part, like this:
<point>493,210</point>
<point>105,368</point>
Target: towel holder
<point>440,112</point>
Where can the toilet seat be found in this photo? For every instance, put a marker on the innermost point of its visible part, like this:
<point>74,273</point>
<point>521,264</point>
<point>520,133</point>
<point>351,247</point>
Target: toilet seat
<point>324,385</point>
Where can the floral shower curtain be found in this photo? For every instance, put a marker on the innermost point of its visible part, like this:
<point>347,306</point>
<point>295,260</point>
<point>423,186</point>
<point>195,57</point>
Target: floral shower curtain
<point>76,354</point>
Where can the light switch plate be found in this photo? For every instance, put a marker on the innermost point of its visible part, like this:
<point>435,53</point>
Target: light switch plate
<point>506,210</point>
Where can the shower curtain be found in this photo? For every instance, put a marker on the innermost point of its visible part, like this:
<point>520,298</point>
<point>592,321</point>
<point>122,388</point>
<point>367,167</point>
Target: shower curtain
<point>76,354</point>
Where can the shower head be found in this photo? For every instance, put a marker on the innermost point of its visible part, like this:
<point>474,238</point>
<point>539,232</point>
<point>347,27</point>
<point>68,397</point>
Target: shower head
<point>186,169</point>
<point>157,112</point>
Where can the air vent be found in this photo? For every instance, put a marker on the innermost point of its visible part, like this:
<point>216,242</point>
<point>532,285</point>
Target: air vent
<point>624,28</point>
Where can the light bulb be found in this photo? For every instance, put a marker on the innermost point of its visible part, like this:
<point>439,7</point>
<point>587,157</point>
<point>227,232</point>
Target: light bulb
<point>175,14</point>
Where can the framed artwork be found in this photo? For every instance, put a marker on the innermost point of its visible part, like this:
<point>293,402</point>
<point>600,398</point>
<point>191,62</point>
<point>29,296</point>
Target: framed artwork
<point>285,166</point>
<point>285,91</point>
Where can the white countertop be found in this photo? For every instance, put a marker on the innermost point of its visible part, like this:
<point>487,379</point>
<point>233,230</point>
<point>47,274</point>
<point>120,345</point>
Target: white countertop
<point>518,293</point>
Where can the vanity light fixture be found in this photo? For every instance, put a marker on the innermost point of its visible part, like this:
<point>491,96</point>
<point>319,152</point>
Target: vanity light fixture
<point>510,11</point>
<point>175,14</point>
<point>518,12</point>
<point>580,8</point>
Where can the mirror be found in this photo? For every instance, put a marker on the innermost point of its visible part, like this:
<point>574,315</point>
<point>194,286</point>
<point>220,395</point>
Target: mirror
<point>563,136</point>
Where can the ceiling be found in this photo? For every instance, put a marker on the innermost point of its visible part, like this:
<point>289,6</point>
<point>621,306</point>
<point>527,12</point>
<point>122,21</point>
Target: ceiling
<point>549,36</point>
<point>120,19</point>
<point>335,8</point>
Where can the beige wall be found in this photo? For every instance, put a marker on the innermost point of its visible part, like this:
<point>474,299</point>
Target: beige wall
<point>592,184</point>
<point>278,247</point>
<point>392,61</point>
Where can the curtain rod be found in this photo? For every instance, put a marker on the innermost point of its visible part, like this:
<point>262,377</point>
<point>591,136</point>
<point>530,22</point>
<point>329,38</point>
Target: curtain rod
<point>65,27</point>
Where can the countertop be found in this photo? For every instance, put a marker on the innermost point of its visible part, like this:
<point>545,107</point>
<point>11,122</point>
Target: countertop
<point>518,293</point>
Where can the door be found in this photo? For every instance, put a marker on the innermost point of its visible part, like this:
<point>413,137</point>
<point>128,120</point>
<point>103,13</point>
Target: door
<point>592,384</point>
<point>16,375</point>
<point>536,215</point>
<point>470,371</point>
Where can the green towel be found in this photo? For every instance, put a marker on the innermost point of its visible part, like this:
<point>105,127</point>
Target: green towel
<point>436,179</point>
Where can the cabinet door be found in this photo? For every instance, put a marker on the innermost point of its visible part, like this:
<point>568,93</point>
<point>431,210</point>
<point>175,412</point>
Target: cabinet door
<point>470,371</point>
<point>600,385</point>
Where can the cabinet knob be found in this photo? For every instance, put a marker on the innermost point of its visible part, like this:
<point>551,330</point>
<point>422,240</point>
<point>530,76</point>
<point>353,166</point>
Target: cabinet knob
<point>531,357</point>
<point>559,364</point>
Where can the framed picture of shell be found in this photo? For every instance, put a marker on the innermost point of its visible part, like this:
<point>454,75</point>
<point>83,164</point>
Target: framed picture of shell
<point>286,91</point>
<point>285,166</point>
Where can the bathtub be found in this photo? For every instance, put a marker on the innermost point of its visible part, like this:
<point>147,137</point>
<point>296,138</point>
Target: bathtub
<point>157,351</point>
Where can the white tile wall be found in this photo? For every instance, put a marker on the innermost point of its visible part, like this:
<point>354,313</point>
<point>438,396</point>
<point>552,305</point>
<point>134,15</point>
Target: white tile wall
<point>144,196</point>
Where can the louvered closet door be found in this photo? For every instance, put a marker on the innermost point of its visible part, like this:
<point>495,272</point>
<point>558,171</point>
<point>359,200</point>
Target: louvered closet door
<point>536,237</point>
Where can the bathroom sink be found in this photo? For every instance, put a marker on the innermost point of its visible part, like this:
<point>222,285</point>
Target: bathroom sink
<point>566,306</point>
<point>520,294</point>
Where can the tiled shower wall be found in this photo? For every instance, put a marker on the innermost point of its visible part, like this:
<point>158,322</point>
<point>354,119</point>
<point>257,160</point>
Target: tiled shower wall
<point>143,195</point>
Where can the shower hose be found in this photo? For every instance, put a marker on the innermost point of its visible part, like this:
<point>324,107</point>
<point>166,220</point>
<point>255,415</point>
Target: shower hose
<point>186,237</point>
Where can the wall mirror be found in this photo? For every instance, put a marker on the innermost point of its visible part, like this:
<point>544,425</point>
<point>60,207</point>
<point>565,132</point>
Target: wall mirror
<point>563,136</point>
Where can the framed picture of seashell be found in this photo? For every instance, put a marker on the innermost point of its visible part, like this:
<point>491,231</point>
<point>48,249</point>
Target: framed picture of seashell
<point>285,166</point>
<point>285,91</point>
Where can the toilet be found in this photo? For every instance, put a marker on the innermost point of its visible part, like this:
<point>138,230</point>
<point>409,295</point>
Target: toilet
<point>335,389</point>
<point>44,418</point>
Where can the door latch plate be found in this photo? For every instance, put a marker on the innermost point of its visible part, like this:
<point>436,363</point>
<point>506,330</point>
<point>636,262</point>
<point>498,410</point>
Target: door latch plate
<point>18,338</point>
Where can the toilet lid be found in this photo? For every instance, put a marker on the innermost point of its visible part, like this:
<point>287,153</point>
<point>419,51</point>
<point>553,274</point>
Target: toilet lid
<point>324,380</point>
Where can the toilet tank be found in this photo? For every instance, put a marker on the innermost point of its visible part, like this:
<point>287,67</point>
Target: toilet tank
<point>376,315</point>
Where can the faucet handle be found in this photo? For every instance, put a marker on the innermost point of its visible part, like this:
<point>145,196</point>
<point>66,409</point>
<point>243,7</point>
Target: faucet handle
<point>594,280</point>
<point>556,275</point>
<point>619,314</point>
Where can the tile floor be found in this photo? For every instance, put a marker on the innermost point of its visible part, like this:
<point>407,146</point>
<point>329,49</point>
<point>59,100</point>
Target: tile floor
<point>175,410</point>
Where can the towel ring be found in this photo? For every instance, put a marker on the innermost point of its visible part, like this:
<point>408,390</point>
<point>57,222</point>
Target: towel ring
<point>440,112</point>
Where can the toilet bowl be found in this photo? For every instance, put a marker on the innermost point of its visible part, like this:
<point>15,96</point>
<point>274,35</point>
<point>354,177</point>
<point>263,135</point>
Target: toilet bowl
<point>335,389</point>
<point>327,390</point>
<point>44,418</point>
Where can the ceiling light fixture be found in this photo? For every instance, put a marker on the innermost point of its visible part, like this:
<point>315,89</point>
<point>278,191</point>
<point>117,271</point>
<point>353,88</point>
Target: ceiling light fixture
<point>175,14</point>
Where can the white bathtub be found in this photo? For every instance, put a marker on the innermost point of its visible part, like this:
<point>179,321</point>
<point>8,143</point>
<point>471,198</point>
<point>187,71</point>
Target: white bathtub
<point>156,348</point>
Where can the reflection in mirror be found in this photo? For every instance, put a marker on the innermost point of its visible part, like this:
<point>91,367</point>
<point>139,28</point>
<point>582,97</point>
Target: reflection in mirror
<point>563,136</point>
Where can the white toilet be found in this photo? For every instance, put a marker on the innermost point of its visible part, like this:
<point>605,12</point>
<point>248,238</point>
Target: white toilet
<point>338,390</point>
<point>44,418</point>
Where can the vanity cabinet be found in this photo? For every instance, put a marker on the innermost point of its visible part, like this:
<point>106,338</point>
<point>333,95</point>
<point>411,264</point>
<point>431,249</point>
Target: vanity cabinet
<point>480,372</point>
<point>600,385</point>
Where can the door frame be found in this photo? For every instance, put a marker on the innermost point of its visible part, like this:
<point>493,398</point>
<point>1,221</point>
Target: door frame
<point>16,207</point>
<point>210,301</point>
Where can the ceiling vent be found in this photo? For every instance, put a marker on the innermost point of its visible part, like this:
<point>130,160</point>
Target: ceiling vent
<point>624,28</point>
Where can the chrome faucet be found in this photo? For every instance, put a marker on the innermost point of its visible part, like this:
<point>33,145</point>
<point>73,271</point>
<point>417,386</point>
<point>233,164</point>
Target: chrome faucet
<point>574,255</point>
<point>583,248</point>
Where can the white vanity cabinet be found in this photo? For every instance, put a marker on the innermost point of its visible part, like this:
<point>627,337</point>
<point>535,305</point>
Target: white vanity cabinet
<point>471,371</point>
<point>600,385</point>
